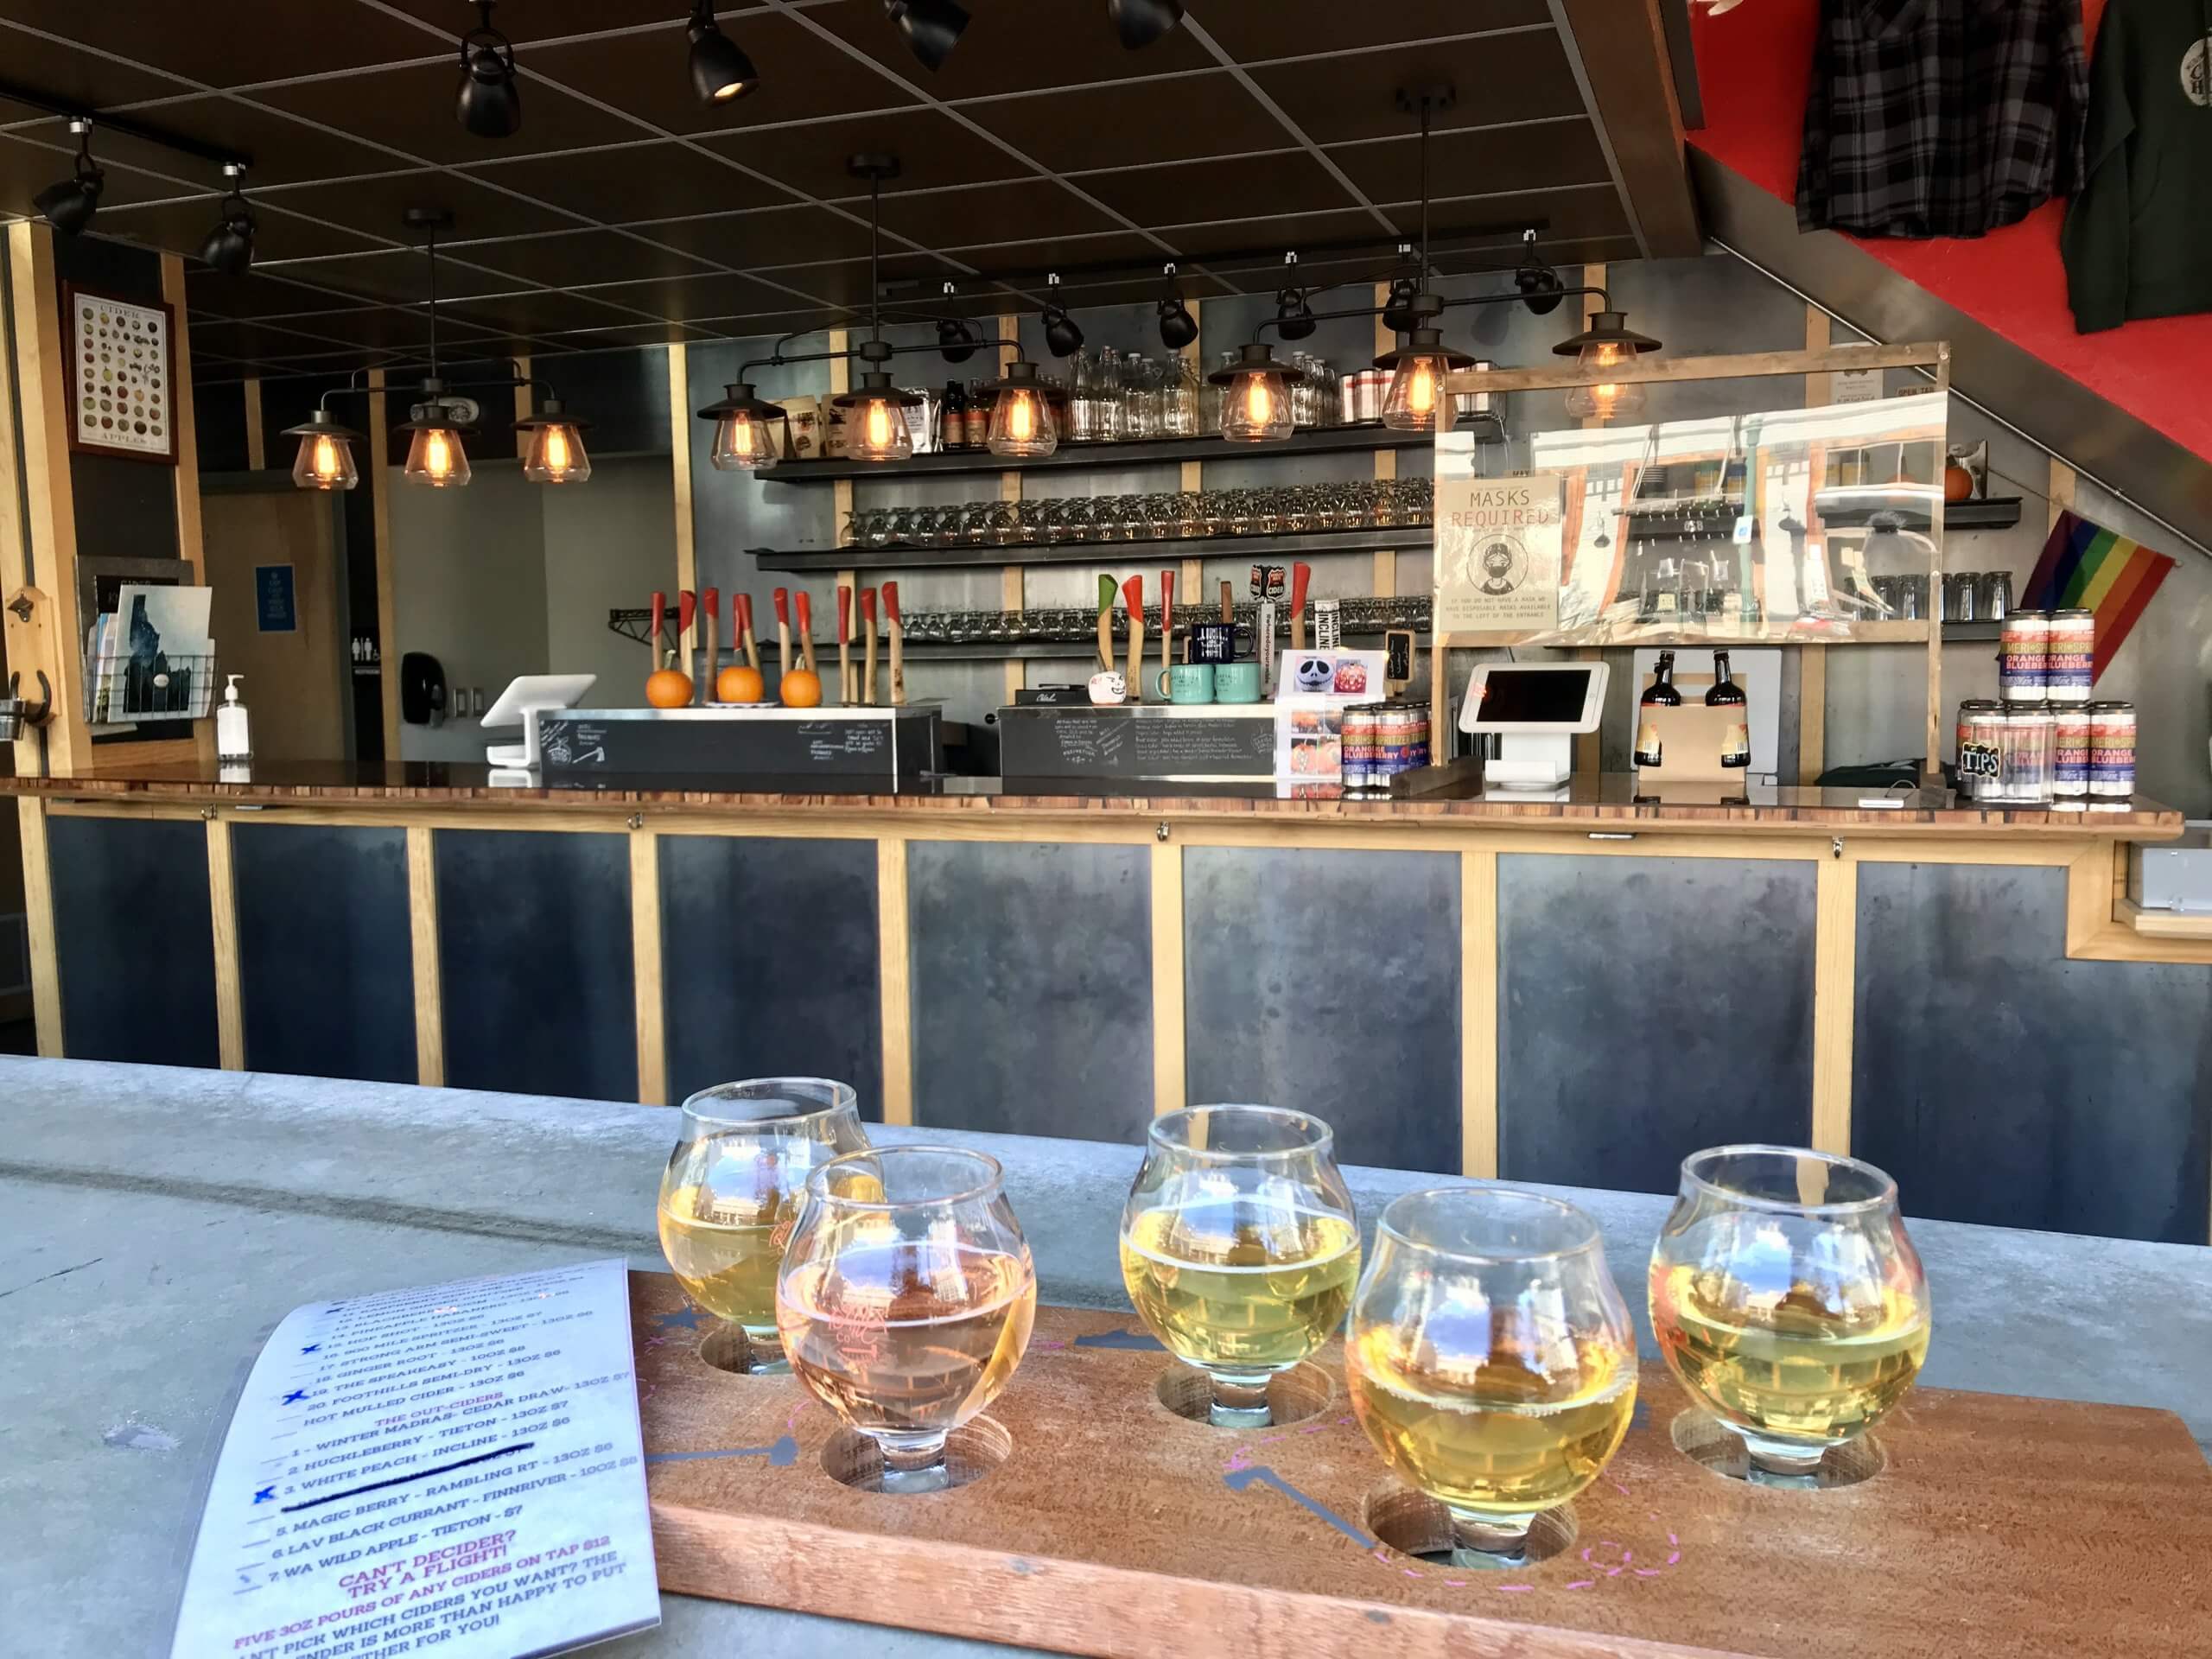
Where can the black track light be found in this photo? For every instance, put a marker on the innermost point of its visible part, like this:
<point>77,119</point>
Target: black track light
<point>1139,23</point>
<point>931,27</point>
<point>1062,337</point>
<point>70,205</point>
<point>1398,310</point>
<point>957,342</point>
<point>1294,315</point>
<point>1177,327</point>
<point>229,246</point>
<point>1540,287</point>
<point>488,104</point>
<point>720,73</point>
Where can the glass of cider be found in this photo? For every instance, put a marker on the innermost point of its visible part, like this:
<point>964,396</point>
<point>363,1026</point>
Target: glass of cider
<point>1490,1359</point>
<point>907,1299</point>
<point>1787,1298</point>
<point>734,1186</point>
<point>1240,1247</point>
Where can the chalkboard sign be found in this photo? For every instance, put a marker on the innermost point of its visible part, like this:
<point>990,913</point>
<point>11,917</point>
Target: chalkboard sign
<point>892,747</point>
<point>1122,743</point>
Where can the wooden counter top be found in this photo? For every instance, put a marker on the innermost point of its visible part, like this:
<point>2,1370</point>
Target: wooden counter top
<point>1594,803</point>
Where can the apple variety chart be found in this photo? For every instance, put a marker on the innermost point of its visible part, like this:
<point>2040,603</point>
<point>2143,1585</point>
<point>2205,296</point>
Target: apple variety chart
<point>458,1466</point>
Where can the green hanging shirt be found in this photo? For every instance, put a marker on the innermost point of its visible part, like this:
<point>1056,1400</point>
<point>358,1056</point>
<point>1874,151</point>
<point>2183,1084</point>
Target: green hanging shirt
<point>2138,239</point>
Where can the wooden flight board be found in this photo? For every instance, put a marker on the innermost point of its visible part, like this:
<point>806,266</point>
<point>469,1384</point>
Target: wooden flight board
<point>1112,1527</point>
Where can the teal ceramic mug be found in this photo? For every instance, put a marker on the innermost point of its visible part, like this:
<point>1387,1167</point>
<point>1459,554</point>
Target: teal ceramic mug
<point>1184,683</point>
<point>1236,682</point>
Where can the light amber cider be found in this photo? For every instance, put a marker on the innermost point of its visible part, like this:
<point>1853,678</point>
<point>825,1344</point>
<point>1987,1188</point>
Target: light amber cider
<point>725,1254</point>
<point>1229,1288</point>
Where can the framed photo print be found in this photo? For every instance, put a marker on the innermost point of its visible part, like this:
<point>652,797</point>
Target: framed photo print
<point>122,375</point>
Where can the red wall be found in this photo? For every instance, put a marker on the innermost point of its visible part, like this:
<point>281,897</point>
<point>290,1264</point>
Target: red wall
<point>1753,65</point>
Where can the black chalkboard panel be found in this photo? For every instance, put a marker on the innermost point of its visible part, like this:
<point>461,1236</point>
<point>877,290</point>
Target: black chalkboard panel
<point>886,746</point>
<point>1126,743</point>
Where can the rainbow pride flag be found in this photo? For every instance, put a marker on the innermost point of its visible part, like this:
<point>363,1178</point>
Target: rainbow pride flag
<point>2086,567</point>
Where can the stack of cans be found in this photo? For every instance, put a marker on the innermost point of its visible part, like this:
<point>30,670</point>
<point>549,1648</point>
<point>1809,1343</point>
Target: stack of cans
<point>2046,728</point>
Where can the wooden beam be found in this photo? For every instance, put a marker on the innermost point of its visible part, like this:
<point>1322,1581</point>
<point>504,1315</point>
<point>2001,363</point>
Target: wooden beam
<point>423,930</point>
<point>1619,51</point>
<point>1659,367</point>
<point>894,975</point>
<point>1590,747</point>
<point>679,451</point>
<point>38,922</point>
<point>524,408</point>
<point>645,979</point>
<point>223,906</point>
<point>1812,712</point>
<point>2060,491</point>
<point>191,537</point>
<point>1835,959</point>
<point>1478,1149</point>
<point>49,497</point>
<point>387,609</point>
<point>257,440</point>
<point>1169,1060</point>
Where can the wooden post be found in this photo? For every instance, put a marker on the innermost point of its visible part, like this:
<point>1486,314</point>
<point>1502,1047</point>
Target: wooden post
<point>1835,959</point>
<point>679,451</point>
<point>1012,594</point>
<point>1478,1151</point>
<point>1813,660</point>
<point>894,969</point>
<point>646,965</point>
<point>679,433</point>
<point>190,537</point>
<point>223,907</point>
<point>38,926</point>
<point>422,931</point>
<point>49,499</point>
<point>387,610</point>
<point>1169,1062</point>
<point>257,440</point>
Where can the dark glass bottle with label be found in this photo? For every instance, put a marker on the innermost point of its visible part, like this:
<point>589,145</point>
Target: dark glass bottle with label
<point>952,418</point>
<point>1660,694</point>
<point>1736,741</point>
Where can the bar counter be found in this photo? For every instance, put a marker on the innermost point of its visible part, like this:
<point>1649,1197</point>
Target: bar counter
<point>1555,990</point>
<point>249,1195</point>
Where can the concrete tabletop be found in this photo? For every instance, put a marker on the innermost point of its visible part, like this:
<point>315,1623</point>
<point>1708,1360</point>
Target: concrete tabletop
<point>158,1223</point>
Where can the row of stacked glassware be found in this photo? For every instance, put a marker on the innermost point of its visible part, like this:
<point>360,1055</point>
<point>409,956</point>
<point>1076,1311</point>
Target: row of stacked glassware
<point>1488,1352</point>
<point>1363,615</point>
<point>1117,399</point>
<point>1280,510</point>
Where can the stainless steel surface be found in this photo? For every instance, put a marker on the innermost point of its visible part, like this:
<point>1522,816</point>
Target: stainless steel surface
<point>881,712</point>
<point>2174,875</point>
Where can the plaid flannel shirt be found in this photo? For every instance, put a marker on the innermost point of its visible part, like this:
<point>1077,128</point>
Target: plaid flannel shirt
<point>1941,117</point>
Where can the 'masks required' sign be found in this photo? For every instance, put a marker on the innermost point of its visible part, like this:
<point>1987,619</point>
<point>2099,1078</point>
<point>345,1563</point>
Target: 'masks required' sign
<point>1497,554</point>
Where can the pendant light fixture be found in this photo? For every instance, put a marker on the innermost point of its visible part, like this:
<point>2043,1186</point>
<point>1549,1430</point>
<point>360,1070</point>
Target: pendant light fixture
<point>1139,23</point>
<point>720,73</point>
<point>325,457</point>
<point>1062,337</point>
<point>1255,408</point>
<point>1417,365</point>
<point>1177,327</point>
<point>745,430</point>
<point>1607,342</point>
<point>436,457</point>
<point>875,414</point>
<point>1021,419</point>
<point>931,28</point>
<point>1295,318</point>
<point>555,454</point>
<point>487,103</point>
<point>70,205</point>
<point>229,246</point>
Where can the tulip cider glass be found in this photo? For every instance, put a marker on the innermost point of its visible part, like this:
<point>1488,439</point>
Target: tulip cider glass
<point>734,1186</point>
<point>905,1300</point>
<point>1788,1300</point>
<point>1240,1247</point>
<point>1490,1359</point>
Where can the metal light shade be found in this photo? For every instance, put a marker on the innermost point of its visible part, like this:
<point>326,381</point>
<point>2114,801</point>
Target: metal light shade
<point>487,102</point>
<point>1295,318</point>
<point>876,419</point>
<point>436,459</point>
<point>1417,371</point>
<point>1607,342</point>
<point>720,73</point>
<point>1021,419</point>
<point>70,205</point>
<point>1139,23</point>
<point>325,457</point>
<point>556,453</point>
<point>931,28</point>
<point>1062,336</point>
<point>1255,408</point>
<point>745,430</point>
<point>229,246</point>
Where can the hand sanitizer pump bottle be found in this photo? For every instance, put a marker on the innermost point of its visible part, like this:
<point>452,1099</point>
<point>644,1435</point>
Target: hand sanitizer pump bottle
<point>233,740</point>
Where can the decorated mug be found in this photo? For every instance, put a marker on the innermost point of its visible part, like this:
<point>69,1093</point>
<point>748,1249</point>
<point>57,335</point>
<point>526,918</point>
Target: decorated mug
<point>1110,688</point>
<point>1236,682</point>
<point>1213,642</point>
<point>1184,683</point>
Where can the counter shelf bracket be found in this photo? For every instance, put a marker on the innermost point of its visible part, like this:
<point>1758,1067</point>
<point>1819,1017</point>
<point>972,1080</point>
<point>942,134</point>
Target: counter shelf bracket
<point>1159,831</point>
<point>1835,847</point>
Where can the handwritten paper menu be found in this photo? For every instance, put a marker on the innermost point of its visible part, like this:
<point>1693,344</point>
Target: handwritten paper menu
<point>457,1469</point>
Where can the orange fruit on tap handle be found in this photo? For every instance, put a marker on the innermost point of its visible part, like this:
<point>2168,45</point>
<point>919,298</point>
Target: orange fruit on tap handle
<point>740,684</point>
<point>802,690</point>
<point>669,688</point>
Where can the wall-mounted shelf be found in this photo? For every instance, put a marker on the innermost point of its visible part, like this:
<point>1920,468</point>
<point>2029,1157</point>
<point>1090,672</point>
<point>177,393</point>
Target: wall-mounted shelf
<point>1272,549</point>
<point>1318,440</point>
<point>1996,513</point>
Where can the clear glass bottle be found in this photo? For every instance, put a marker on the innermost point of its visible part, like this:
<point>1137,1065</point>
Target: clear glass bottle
<point>1180,400</point>
<point>1107,387</point>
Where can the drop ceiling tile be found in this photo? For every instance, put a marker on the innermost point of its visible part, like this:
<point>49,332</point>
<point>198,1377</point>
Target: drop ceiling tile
<point>933,151</point>
<point>391,327</point>
<point>1270,237</point>
<point>765,327</point>
<point>1513,158</point>
<point>658,180</point>
<point>258,39</point>
<point>627,337</point>
<point>410,110</point>
<point>802,76</point>
<point>278,149</point>
<point>26,169</point>
<point>257,294</point>
<point>401,275</point>
<point>1254,33</point>
<point>1070,256</point>
<point>180,226</point>
<point>1500,78</point>
<point>1011,48</point>
<point>546,19</point>
<point>1563,213</point>
<point>1134,123</point>
<point>769,235</point>
<point>378,205</point>
<point>258,339</point>
<point>1239,187</point>
<point>683,298</point>
<point>74,73</point>
<point>567,257</point>
<point>993,213</point>
<point>543,312</point>
<point>915,278</point>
